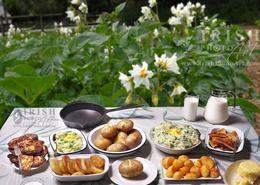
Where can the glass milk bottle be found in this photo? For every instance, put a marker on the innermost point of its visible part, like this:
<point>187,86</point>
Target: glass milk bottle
<point>190,108</point>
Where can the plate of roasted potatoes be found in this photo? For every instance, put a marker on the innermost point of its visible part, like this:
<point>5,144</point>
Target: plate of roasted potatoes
<point>184,168</point>
<point>117,139</point>
<point>79,167</point>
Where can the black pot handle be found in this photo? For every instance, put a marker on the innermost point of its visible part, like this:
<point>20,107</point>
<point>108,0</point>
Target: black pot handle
<point>129,106</point>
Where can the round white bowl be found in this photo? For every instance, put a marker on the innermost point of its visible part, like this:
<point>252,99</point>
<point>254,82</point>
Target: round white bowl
<point>171,150</point>
<point>96,132</point>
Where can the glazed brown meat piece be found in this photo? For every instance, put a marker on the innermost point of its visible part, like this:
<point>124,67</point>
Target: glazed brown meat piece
<point>38,160</point>
<point>31,147</point>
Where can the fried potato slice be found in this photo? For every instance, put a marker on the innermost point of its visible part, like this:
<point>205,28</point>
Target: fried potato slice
<point>54,164</point>
<point>70,165</point>
<point>98,161</point>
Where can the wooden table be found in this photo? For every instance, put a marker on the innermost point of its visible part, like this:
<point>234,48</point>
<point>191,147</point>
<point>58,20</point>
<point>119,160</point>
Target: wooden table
<point>44,121</point>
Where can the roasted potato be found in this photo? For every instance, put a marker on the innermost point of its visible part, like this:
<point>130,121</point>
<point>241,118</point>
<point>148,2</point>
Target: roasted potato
<point>205,171</point>
<point>214,172</point>
<point>102,143</point>
<point>170,171</point>
<point>121,137</point>
<point>190,176</point>
<point>133,139</point>
<point>167,161</point>
<point>183,158</point>
<point>178,175</point>
<point>198,163</point>
<point>195,170</point>
<point>177,164</point>
<point>188,163</point>
<point>184,170</point>
<point>98,161</point>
<point>205,160</point>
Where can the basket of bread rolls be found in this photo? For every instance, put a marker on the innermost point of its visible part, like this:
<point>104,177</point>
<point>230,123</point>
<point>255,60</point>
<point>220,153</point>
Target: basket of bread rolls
<point>117,139</point>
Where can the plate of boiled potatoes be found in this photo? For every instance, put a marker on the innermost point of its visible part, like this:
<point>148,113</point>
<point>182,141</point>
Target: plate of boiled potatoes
<point>117,139</point>
<point>184,168</point>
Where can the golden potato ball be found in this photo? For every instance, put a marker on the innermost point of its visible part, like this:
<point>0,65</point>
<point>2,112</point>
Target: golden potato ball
<point>214,172</point>
<point>183,158</point>
<point>125,125</point>
<point>117,147</point>
<point>188,163</point>
<point>120,137</point>
<point>133,139</point>
<point>205,171</point>
<point>190,176</point>
<point>195,170</point>
<point>177,164</point>
<point>102,143</point>
<point>178,175</point>
<point>108,131</point>
<point>169,172</point>
<point>205,160</point>
<point>184,170</point>
<point>167,161</point>
<point>198,163</point>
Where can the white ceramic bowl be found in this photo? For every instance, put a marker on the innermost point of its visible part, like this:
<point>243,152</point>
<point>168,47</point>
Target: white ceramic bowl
<point>53,144</point>
<point>229,129</point>
<point>171,150</point>
<point>96,132</point>
<point>90,177</point>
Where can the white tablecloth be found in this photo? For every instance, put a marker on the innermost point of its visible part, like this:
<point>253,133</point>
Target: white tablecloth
<point>44,121</point>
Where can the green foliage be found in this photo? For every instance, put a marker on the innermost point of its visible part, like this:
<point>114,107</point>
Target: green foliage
<point>52,69</point>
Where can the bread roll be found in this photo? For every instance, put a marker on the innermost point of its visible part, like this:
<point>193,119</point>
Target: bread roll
<point>125,125</point>
<point>131,168</point>
<point>108,131</point>
<point>117,147</point>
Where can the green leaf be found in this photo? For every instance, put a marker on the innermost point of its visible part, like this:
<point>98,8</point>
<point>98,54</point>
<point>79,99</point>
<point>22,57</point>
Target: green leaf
<point>21,70</point>
<point>119,8</point>
<point>22,54</point>
<point>245,104</point>
<point>97,99</point>
<point>28,88</point>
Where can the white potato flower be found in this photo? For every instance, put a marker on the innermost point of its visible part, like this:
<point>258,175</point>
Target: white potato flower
<point>141,75</point>
<point>178,89</point>
<point>71,15</point>
<point>77,19</point>
<point>152,3</point>
<point>126,81</point>
<point>156,33</point>
<point>83,8</point>
<point>146,11</point>
<point>198,5</point>
<point>8,44</point>
<point>174,21</point>
<point>65,31</point>
<point>167,64</point>
<point>75,2</point>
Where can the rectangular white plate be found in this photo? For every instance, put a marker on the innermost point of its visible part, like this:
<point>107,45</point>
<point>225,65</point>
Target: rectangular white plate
<point>198,179</point>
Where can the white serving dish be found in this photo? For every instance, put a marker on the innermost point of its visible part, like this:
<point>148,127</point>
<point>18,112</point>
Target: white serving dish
<point>53,144</point>
<point>198,179</point>
<point>171,150</point>
<point>149,173</point>
<point>96,132</point>
<point>90,177</point>
<point>231,174</point>
<point>229,129</point>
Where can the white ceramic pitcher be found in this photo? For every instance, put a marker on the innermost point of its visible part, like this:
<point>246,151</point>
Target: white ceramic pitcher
<point>216,110</point>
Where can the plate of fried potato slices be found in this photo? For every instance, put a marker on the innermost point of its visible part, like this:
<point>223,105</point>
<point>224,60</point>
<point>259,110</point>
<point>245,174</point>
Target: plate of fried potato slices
<point>184,168</point>
<point>79,167</point>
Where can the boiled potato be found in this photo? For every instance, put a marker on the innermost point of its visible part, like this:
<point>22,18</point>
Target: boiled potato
<point>183,158</point>
<point>121,137</point>
<point>188,163</point>
<point>205,160</point>
<point>98,161</point>
<point>204,170</point>
<point>125,125</point>
<point>195,170</point>
<point>54,164</point>
<point>108,131</point>
<point>169,172</point>
<point>184,170</point>
<point>190,176</point>
<point>214,173</point>
<point>167,161</point>
<point>177,164</point>
<point>133,139</point>
<point>178,175</point>
<point>117,147</point>
<point>102,143</point>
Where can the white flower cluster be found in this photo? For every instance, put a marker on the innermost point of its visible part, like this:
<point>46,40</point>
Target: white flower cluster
<point>152,3</point>
<point>140,74</point>
<point>62,30</point>
<point>12,31</point>
<point>185,14</point>
<point>147,14</point>
<point>73,13</point>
